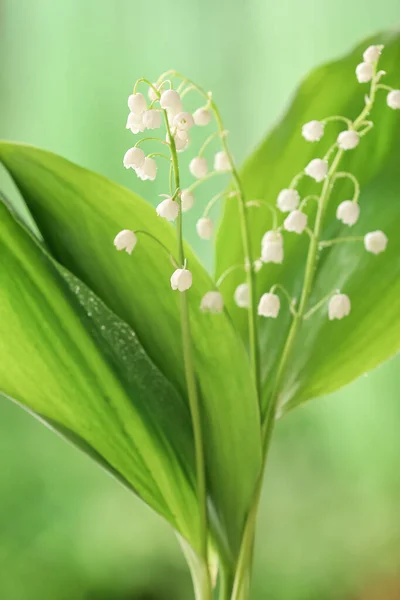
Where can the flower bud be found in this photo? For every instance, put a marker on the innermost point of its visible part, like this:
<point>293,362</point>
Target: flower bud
<point>183,121</point>
<point>212,302</point>
<point>348,212</point>
<point>137,103</point>
<point>205,228</point>
<point>375,242</point>
<point>151,93</point>
<point>339,306</point>
<point>364,72</point>
<point>221,162</point>
<point>257,265</point>
<point>171,100</point>
<point>269,305</point>
<point>135,123</point>
<point>288,200</point>
<point>313,131</point>
<point>242,295</point>
<point>152,119</point>
<point>198,167</point>
<point>134,158</point>
<point>347,140</point>
<point>296,222</point>
<point>317,169</point>
<point>202,117</point>
<point>393,99</point>
<point>187,200</point>
<point>182,140</point>
<point>272,247</point>
<point>372,54</point>
<point>125,240</point>
<point>168,209</point>
<point>181,280</point>
<point>148,170</point>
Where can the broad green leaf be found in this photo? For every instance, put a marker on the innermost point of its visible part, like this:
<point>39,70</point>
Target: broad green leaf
<point>327,355</point>
<point>72,362</point>
<point>79,213</point>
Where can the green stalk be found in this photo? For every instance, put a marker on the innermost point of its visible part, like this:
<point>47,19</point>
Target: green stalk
<point>191,384</point>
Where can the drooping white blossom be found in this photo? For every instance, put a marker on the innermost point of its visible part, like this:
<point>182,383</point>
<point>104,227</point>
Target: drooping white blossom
<point>269,305</point>
<point>125,240</point>
<point>339,306</point>
<point>168,209</point>
<point>242,296</point>
<point>202,117</point>
<point>296,221</point>
<point>221,162</point>
<point>135,123</point>
<point>212,302</point>
<point>288,200</point>
<point>347,140</point>
<point>148,170</point>
<point>272,247</point>
<point>187,200</point>
<point>137,103</point>
<point>375,242</point>
<point>313,131</point>
<point>317,169</point>
<point>181,280</point>
<point>198,167</point>
<point>152,119</point>
<point>372,54</point>
<point>348,212</point>
<point>205,228</point>
<point>364,72</point>
<point>183,121</point>
<point>257,265</point>
<point>393,99</point>
<point>134,158</point>
<point>171,100</point>
<point>182,140</point>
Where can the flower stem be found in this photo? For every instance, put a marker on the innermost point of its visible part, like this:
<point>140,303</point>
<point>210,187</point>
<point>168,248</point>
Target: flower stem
<point>192,386</point>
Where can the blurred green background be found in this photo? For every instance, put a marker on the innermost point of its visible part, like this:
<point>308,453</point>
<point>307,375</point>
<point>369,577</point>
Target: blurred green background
<point>330,521</point>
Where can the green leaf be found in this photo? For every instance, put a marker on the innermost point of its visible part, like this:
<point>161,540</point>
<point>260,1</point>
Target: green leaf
<point>79,213</point>
<point>327,355</point>
<point>73,363</point>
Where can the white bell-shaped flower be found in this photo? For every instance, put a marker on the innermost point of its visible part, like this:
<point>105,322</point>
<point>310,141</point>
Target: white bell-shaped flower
<point>168,209</point>
<point>364,72</point>
<point>288,200</point>
<point>296,221</point>
<point>348,212</point>
<point>183,121</point>
<point>242,296</point>
<point>182,140</point>
<point>317,169</point>
<point>372,54</point>
<point>135,123</point>
<point>171,100</point>
<point>313,131</point>
<point>152,119</point>
<point>257,265</point>
<point>125,240</point>
<point>375,242</point>
<point>198,167</point>
<point>269,305</point>
<point>137,103</point>
<point>393,99</point>
<point>339,306</point>
<point>148,170</point>
<point>187,200</point>
<point>134,158</point>
<point>205,228</point>
<point>202,117</point>
<point>272,247</point>
<point>221,162</point>
<point>181,280</point>
<point>212,302</point>
<point>347,140</point>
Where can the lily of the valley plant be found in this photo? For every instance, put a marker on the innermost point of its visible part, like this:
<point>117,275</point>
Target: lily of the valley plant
<point>174,380</point>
